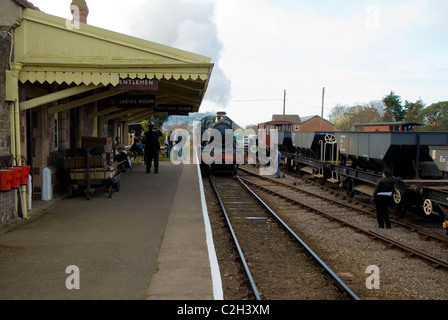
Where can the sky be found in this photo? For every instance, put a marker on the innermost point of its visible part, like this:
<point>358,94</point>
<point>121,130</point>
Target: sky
<point>358,50</point>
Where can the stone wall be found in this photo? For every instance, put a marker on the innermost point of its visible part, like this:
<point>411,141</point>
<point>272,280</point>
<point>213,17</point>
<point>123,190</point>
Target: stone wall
<point>5,132</point>
<point>7,203</point>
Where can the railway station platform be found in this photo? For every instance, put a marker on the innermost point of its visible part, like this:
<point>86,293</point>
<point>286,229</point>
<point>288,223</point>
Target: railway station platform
<point>150,241</point>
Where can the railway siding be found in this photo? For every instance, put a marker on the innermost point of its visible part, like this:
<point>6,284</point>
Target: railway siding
<point>350,253</point>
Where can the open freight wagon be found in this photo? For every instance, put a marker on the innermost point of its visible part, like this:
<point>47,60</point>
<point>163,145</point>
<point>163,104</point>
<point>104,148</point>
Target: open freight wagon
<point>355,161</point>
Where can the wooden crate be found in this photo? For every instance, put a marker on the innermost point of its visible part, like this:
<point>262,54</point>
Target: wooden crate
<point>88,142</point>
<point>96,160</point>
<point>75,162</point>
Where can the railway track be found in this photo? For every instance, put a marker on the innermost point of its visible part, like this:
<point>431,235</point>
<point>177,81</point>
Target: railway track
<point>336,207</point>
<point>365,208</point>
<point>279,265</point>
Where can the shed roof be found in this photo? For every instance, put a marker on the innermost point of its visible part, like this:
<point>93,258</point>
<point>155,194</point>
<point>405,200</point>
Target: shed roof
<point>294,118</point>
<point>308,118</point>
<point>278,123</point>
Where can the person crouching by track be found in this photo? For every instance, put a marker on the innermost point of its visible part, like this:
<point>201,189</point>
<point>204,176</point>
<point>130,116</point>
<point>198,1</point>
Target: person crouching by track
<point>277,162</point>
<point>383,198</point>
<point>152,148</point>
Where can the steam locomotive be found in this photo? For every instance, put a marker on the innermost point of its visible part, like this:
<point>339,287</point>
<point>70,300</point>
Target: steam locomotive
<point>219,151</point>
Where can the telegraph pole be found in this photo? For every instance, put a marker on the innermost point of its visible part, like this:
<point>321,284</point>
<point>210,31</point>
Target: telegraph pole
<point>284,105</point>
<point>322,112</point>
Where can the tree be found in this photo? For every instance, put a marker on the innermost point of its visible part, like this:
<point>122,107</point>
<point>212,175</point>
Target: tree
<point>346,118</point>
<point>413,110</point>
<point>435,117</point>
<point>394,110</point>
<point>342,122</point>
<point>363,114</point>
<point>340,118</point>
<point>156,120</point>
<point>379,106</point>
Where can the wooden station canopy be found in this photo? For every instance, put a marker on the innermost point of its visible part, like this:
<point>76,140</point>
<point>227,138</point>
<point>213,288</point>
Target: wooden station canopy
<point>127,77</point>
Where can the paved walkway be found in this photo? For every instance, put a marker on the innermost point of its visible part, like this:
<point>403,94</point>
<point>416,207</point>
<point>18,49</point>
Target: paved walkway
<point>149,241</point>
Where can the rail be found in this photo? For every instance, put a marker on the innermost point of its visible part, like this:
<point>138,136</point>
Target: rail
<point>339,283</point>
<point>437,262</point>
<point>238,247</point>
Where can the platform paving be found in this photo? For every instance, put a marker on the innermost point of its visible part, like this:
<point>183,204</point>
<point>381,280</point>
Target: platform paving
<point>146,242</point>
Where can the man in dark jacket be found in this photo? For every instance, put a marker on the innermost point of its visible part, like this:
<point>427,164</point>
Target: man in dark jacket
<point>383,197</point>
<point>152,148</point>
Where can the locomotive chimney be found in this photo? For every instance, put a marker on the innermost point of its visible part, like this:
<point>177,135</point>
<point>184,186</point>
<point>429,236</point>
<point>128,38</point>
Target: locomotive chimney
<point>79,10</point>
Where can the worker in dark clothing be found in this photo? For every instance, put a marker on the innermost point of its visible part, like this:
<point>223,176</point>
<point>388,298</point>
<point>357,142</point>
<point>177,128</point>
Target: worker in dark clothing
<point>383,197</point>
<point>152,148</point>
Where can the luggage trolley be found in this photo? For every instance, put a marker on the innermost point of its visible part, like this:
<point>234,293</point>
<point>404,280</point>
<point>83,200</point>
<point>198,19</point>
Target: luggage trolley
<point>90,173</point>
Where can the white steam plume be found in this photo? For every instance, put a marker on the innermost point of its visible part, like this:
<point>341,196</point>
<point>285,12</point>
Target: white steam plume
<point>186,25</point>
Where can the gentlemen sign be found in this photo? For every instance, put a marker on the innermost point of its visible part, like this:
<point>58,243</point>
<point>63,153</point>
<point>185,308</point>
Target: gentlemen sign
<point>140,101</point>
<point>137,84</point>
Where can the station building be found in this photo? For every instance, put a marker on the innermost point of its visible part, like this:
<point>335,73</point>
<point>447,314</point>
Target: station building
<point>62,81</point>
<point>295,123</point>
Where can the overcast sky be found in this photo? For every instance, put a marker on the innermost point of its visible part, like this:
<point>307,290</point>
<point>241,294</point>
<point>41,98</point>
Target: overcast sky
<point>359,50</point>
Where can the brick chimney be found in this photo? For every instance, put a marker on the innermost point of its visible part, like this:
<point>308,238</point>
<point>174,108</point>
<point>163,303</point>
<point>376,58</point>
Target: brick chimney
<point>83,10</point>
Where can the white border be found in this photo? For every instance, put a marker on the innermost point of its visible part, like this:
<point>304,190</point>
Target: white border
<point>214,266</point>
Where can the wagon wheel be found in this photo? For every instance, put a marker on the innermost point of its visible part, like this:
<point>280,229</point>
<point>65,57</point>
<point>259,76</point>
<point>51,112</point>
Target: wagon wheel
<point>399,206</point>
<point>329,138</point>
<point>397,196</point>
<point>349,190</point>
<point>110,188</point>
<point>427,207</point>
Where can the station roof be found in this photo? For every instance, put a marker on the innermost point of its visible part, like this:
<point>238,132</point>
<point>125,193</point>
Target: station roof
<point>51,49</point>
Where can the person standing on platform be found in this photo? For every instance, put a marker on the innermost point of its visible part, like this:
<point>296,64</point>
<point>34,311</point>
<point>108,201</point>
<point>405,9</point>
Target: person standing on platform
<point>178,145</point>
<point>383,197</point>
<point>152,148</point>
<point>169,144</point>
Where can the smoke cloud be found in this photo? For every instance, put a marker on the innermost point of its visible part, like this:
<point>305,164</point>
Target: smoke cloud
<point>186,25</point>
